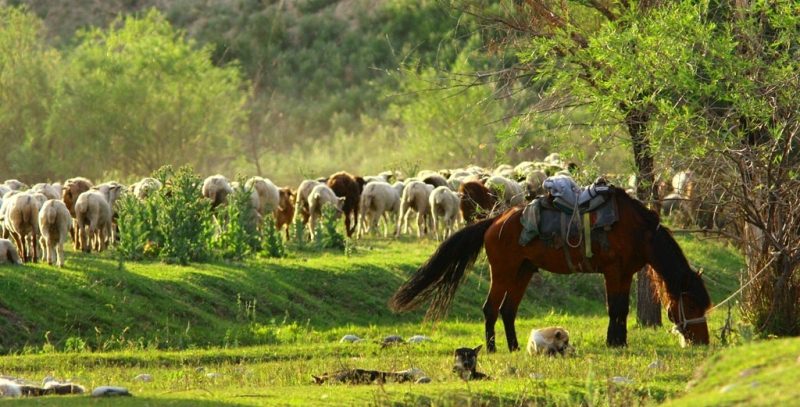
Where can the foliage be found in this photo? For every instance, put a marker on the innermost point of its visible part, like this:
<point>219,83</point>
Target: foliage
<point>237,220</point>
<point>140,95</point>
<point>29,70</point>
<point>272,242</point>
<point>330,237</point>
<point>172,224</point>
<point>138,237</point>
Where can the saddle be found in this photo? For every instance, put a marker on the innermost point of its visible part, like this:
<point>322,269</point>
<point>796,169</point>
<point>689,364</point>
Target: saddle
<point>569,216</point>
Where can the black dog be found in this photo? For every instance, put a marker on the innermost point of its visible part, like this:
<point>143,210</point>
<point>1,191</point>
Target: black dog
<point>466,364</point>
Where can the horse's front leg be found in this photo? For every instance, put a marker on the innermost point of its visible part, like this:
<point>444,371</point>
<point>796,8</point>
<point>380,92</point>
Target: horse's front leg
<point>618,288</point>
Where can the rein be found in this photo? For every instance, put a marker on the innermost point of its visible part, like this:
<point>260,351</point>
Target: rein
<point>682,323</point>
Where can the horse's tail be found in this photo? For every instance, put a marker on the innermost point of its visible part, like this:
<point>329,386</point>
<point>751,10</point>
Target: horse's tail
<point>440,276</point>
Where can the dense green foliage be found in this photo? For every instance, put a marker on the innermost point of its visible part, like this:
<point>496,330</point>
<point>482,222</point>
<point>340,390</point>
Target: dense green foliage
<point>327,83</point>
<point>172,224</point>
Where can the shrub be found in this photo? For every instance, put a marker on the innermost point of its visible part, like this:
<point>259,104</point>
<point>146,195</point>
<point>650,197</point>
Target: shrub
<point>330,237</point>
<point>271,240</point>
<point>238,234</point>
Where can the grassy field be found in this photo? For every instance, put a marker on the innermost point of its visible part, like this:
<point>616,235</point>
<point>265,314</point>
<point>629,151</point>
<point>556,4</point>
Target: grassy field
<point>254,333</point>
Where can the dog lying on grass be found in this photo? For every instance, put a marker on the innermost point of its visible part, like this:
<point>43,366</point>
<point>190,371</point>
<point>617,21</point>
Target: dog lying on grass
<point>551,341</point>
<point>466,364</point>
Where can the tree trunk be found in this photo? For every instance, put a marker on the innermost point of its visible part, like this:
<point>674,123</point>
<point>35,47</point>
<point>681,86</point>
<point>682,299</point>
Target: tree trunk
<point>648,309</point>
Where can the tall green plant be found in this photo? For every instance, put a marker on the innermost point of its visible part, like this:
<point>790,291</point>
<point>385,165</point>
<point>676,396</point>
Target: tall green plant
<point>237,219</point>
<point>183,218</point>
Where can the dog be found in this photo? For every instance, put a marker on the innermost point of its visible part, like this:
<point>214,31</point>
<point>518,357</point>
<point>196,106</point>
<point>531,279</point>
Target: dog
<point>551,341</point>
<point>466,364</point>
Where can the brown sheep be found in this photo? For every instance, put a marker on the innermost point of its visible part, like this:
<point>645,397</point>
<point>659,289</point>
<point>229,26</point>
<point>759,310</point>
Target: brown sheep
<point>72,189</point>
<point>477,201</point>
<point>54,224</point>
<point>21,214</point>
<point>8,252</point>
<point>93,212</point>
<point>348,187</point>
<point>284,213</point>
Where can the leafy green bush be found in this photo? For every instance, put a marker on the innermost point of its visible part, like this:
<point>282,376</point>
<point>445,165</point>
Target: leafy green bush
<point>238,234</point>
<point>271,241</point>
<point>330,236</point>
<point>172,224</point>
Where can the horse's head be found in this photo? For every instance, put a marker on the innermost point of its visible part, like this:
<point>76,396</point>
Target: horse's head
<point>689,319</point>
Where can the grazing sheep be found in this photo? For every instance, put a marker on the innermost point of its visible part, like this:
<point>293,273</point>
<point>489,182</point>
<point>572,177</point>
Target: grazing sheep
<point>54,223</point>
<point>284,213</point>
<point>534,183</point>
<point>436,180</point>
<point>415,197</point>
<point>509,192</point>
<point>216,188</point>
<point>20,220</point>
<point>8,252</point>
<point>444,204</point>
<point>301,202</point>
<point>49,191</point>
<point>378,200</point>
<point>348,187</point>
<point>111,190</point>
<point>477,201</point>
<point>93,221</point>
<point>268,195</point>
<point>505,170</point>
<point>317,199</point>
<point>16,185</point>
<point>145,187</point>
<point>4,190</point>
<point>73,188</point>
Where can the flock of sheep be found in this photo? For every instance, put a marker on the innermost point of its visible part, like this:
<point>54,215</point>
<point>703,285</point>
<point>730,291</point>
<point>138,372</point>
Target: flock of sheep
<point>42,216</point>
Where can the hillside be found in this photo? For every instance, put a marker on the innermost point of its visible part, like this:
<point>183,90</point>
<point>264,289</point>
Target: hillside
<point>101,304</point>
<point>757,374</point>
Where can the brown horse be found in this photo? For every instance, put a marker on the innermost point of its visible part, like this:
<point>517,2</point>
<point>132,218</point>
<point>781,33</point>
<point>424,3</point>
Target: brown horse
<point>635,240</point>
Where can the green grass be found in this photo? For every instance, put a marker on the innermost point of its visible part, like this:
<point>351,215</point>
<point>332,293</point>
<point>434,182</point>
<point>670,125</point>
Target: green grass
<point>267,325</point>
<point>762,373</point>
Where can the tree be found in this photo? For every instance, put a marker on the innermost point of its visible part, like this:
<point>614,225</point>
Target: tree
<point>138,96</point>
<point>28,71</point>
<point>554,44</point>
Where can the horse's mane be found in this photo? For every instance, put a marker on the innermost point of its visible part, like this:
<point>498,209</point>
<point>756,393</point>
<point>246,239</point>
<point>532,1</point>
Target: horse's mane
<point>671,270</point>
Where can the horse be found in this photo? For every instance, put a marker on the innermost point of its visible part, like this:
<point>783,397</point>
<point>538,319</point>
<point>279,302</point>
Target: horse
<point>635,240</point>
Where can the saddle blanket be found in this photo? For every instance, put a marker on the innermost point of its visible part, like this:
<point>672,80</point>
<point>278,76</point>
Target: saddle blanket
<point>542,218</point>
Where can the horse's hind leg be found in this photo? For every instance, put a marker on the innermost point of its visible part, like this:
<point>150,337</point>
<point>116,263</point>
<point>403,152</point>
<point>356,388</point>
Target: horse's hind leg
<point>618,288</point>
<point>511,303</point>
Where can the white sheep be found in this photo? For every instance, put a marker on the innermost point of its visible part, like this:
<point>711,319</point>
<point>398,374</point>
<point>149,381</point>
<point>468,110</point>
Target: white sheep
<point>415,197</point>
<point>320,196</point>
<point>20,220</point>
<point>216,188</point>
<point>8,252</point>
<point>444,204</point>
<point>48,190</point>
<point>269,196</point>
<point>16,185</point>
<point>54,224</point>
<point>93,221</point>
<point>378,201</point>
<point>301,200</point>
<point>144,187</point>
<point>508,191</point>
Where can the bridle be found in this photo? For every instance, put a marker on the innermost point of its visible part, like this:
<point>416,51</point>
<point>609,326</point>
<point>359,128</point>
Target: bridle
<point>682,322</point>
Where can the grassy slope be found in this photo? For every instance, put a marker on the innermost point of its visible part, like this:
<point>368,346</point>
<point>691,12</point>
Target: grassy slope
<point>762,373</point>
<point>347,296</point>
